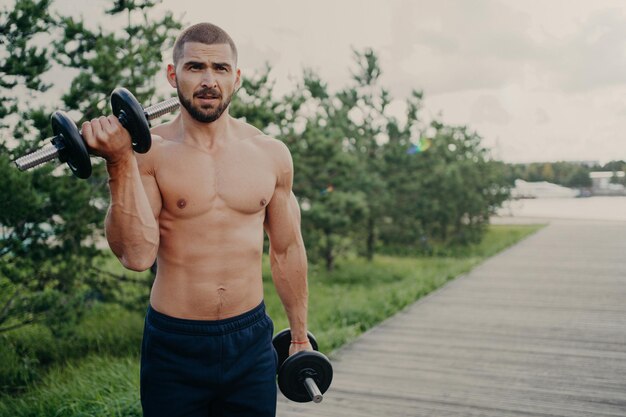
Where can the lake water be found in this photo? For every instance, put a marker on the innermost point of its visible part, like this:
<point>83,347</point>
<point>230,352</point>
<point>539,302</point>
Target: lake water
<point>591,208</point>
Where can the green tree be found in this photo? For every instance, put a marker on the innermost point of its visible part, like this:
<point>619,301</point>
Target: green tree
<point>445,194</point>
<point>47,265</point>
<point>107,59</point>
<point>406,172</point>
<point>256,103</point>
<point>547,173</point>
<point>21,62</point>
<point>50,223</point>
<point>370,101</point>
<point>614,166</point>
<point>578,178</point>
<point>331,205</point>
<point>568,174</point>
<point>34,211</point>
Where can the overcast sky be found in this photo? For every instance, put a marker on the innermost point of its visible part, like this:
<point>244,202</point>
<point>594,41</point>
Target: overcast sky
<point>540,80</point>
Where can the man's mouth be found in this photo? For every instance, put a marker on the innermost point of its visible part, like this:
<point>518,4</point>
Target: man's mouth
<point>204,96</point>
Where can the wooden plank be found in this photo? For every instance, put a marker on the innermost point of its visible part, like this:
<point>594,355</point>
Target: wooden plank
<point>539,330</point>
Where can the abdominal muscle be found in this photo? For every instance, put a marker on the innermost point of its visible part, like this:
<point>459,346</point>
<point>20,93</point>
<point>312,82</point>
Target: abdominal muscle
<point>211,273</point>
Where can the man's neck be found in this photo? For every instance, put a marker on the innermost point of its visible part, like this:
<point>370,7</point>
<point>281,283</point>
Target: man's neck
<point>205,135</point>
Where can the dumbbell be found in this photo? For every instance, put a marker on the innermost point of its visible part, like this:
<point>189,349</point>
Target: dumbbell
<point>68,144</point>
<point>305,375</point>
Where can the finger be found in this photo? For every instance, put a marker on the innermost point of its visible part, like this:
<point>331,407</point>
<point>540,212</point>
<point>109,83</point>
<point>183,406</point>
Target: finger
<point>108,124</point>
<point>112,124</point>
<point>96,126</point>
<point>105,125</point>
<point>87,132</point>
<point>113,120</point>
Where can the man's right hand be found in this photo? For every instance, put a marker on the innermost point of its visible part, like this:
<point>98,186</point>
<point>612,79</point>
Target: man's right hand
<point>297,347</point>
<point>107,138</point>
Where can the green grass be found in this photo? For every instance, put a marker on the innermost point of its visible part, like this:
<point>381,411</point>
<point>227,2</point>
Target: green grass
<point>342,305</point>
<point>105,329</point>
<point>93,386</point>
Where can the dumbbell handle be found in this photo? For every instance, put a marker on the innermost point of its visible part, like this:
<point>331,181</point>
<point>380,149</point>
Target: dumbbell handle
<point>161,108</point>
<point>40,156</point>
<point>154,111</point>
<point>50,152</point>
<point>313,390</point>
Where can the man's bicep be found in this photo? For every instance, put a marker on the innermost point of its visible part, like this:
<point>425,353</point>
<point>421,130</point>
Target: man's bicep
<point>295,207</point>
<point>150,186</point>
<point>282,221</point>
<point>153,194</point>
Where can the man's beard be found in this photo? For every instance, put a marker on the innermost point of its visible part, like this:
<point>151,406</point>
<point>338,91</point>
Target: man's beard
<point>200,113</point>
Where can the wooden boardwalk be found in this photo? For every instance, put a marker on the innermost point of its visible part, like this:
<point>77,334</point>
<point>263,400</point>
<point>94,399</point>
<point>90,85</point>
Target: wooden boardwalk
<point>538,330</point>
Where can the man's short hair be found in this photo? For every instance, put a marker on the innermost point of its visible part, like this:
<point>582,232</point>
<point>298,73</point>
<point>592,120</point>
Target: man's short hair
<point>206,33</point>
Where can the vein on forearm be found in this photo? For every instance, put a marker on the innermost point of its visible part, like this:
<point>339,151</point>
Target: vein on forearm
<point>289,271</point>
<point>131,227</point>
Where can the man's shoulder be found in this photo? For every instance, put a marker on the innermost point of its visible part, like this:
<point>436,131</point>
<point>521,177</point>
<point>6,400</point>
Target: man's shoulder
<point>168,130</point>
<point>278,153</point>
<point>273,147</point>
<point>148,161</point>
<point>267,141</point>
<point>262,140</point>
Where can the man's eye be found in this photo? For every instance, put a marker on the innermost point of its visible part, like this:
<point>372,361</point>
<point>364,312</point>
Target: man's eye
<point>220,68</point>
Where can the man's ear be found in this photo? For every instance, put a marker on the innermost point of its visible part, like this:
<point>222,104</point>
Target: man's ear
<point>237,79</point>
<point>171,75</point>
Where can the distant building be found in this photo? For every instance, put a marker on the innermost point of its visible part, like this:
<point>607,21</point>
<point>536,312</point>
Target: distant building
<point>588,164</point>
<point>541,189</point>
<point>601,183</point>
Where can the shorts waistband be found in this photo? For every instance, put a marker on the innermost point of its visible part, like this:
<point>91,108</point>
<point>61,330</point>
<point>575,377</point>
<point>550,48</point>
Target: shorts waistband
<point>206,327</point>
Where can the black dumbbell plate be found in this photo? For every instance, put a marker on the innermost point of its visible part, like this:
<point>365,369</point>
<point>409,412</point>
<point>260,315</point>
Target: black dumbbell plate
<point>123,101</point>
<point>74,150</point>
<point>299,366</point>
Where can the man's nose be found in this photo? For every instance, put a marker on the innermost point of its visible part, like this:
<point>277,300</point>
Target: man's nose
<point>208,79</point>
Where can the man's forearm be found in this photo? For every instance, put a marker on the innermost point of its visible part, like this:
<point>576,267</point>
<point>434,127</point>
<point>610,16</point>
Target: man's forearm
<point>289,272</point>
<point>131,228</point>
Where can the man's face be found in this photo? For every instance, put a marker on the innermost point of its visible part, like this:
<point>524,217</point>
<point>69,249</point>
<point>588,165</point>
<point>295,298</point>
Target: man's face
<point>205,78</point>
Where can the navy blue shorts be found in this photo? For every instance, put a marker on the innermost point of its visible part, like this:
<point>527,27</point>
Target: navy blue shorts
<point>208,368</point>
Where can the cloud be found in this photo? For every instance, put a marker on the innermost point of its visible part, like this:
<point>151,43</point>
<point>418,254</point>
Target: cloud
<point>488,109</point>
<point>541,116</point>
<point>459,45</point>
<point>253,55</point>
<point>546,78</point>
<point>592,57</point>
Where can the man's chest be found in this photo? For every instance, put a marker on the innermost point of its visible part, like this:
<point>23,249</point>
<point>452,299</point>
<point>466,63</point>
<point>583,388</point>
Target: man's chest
<point>193,183</point>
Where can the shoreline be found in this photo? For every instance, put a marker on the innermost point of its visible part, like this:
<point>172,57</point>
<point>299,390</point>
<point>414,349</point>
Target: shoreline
<point>598,208</point>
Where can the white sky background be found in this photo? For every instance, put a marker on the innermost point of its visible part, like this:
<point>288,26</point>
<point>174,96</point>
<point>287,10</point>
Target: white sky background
<point>540,80</point>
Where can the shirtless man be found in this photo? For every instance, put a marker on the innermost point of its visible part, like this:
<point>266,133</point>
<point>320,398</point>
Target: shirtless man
<point>198,202</point>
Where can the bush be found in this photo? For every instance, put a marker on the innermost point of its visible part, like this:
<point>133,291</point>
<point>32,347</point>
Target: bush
<point>17,371</point>
<point>28,352</point>
<point>22,354</point>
